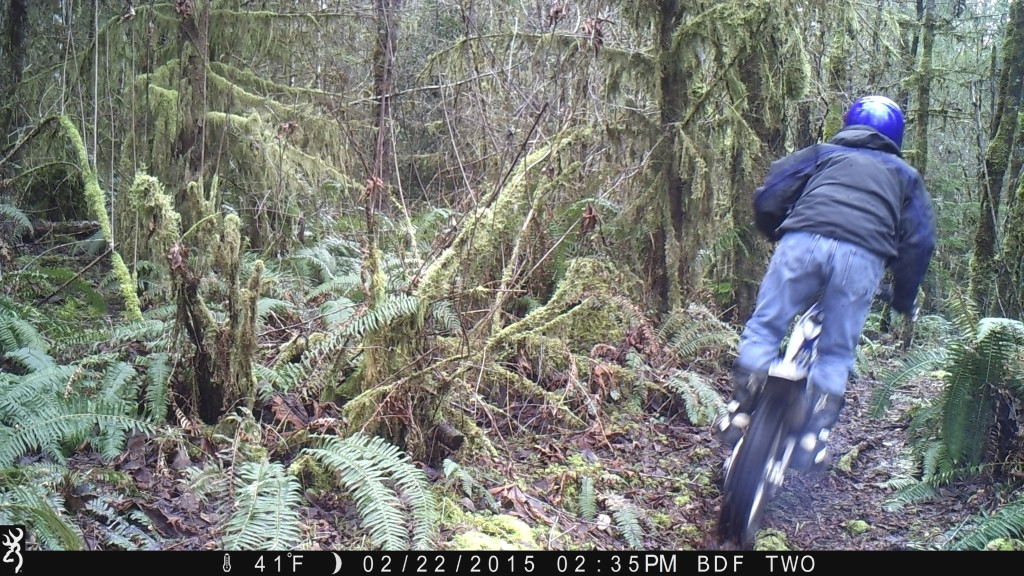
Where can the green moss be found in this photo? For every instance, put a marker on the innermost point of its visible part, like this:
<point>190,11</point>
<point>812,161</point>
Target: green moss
<point>1005,544</point>
<point>501,532</point>
<point>96,201</point>
<point>771,540</point>
<point>857,527</point>
<point>845,463</point>
<point>662,520</point>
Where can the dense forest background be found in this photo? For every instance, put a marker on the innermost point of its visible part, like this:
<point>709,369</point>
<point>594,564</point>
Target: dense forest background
<point>462,273</point>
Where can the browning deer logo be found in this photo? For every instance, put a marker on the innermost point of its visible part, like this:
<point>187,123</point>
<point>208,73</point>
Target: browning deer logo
<point>12,537</point>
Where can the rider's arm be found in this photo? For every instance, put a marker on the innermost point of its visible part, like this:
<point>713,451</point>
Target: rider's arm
<point>915,246</point>
<point>782,187</point>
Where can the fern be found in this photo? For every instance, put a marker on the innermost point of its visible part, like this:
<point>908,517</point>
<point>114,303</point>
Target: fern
<point>266,509</point>
<point>266,306</point>
<point>914,365</point>
<point>587,499</point>
<point>31,360</point>
<point>339,285</point>
<point>1007,522</point>
<point>389,492</point>
<point>20,220</point>
<point>207,483</point>
<point>36,503</point>
<point>911,494</point>
<point>627,519</point>
<point>158,375</point>
<point>470,486</point>
<point>702,401</point>
<point>16,332</point>
<point>46,409</point>
<point>394,306</point>
<point>337,312</point>
<point>446,320</point>
<point>688,331</point>
<point>125,531</point>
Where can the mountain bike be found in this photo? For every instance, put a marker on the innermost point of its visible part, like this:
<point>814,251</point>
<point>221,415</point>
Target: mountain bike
<point>776,432</point>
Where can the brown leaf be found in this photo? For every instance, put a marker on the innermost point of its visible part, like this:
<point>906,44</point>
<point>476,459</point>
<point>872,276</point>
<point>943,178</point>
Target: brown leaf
<point>289,412</point>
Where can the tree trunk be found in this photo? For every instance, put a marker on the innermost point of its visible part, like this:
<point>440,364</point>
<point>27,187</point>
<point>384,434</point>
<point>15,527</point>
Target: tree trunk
<point>11,117</point>
<point>674,102</point>
<point>983,268</point>
<point>919,157</point>
<point>749,251</point>
<point>386,12</point>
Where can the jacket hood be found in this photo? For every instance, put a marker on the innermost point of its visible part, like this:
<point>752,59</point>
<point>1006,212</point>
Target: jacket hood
<point>859,136</point>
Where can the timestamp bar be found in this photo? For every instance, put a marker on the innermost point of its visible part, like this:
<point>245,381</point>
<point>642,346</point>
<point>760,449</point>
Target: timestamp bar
<point>541,563</point>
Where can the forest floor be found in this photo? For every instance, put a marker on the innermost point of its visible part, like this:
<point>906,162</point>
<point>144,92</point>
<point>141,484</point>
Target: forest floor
<point>666,468</point>
<point>644,462</point>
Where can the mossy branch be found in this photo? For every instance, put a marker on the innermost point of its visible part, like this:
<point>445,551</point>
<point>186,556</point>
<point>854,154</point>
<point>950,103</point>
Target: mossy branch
<point>97,206</point>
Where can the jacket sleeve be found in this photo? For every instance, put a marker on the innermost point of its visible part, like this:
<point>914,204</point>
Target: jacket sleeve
<point>915,245</point>
<point>782,187</point>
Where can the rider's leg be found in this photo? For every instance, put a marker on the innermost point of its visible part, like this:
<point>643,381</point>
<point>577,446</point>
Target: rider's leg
<point>846,302</point>
<point>794,277</point>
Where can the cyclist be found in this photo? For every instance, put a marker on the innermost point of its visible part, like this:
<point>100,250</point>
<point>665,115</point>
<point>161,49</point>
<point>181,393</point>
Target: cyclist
<point>841,212</point>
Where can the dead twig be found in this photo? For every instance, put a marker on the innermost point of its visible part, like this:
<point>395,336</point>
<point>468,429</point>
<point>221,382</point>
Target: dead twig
<point>79,275</point>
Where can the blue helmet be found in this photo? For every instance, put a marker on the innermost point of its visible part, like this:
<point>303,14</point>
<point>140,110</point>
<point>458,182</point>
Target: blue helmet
<point>880,113</point>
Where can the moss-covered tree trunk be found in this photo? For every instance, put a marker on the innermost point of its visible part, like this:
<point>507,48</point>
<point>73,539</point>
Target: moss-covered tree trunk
<point>919,156</point>
<point>983,269</point>
<point>14,43</point>
<point>1011,278</point>
<point>386,14</point>
<point>670,222</point>
<point>768,98</point>
<point>188,150</point>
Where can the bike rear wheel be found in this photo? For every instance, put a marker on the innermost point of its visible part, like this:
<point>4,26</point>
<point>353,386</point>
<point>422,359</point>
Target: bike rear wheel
<point>749,482</point>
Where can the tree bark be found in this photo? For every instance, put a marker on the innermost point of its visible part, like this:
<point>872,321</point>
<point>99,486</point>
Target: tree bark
<point>983,269</point>
<point>15,37</point>
<point>919,157</point>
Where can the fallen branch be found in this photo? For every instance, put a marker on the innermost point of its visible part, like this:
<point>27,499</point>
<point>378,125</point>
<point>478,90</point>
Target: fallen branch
<point>77,276</point>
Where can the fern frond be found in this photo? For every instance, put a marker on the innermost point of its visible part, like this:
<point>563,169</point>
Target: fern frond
<point>20,219</point>
<point>37,412</point>
<point>16,332</point>
<point>1006,522</point>
<point>345,284</point>
<point>337,312</point>
<point>266,513</point>
<point>159,369</point>
<point>207,483</point>
<point>445,318</point>
<point>587,499</point>
<point>264,306</point>
<point>627,519</point>
<point>32,359</point>
<point>968,410</point>
<point>470,486</point>
<point>912,366</point>
<point>366,466</point>
<point>119,530</point>
<point>42,511</point>
<point>394,306</point>
<point>701,399</point>
<point>688,331</point>
<point>911,494</point>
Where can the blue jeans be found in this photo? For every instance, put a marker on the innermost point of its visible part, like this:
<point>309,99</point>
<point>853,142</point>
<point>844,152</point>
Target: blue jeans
<point>803,266</point>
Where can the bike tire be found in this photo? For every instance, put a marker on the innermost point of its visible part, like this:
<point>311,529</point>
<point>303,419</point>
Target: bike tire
<point>747,489</point>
